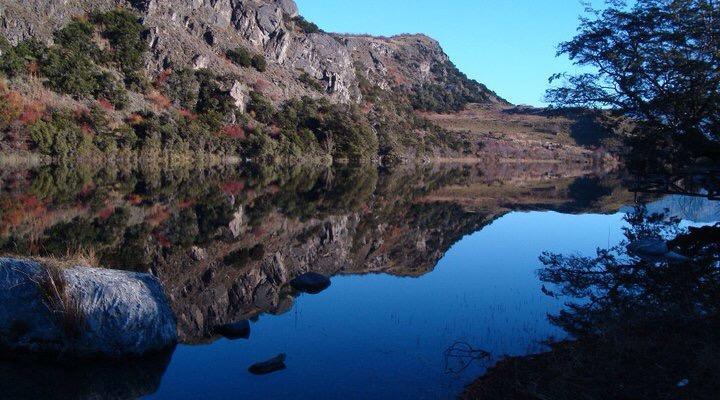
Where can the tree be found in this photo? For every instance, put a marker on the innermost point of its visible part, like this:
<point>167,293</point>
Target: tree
<point>657,61</point>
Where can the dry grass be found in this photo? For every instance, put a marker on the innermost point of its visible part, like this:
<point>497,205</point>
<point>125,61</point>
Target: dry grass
<point>59,301</point>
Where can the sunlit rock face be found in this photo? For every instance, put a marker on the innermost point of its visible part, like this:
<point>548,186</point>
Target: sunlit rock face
<point>82,311</point>
<point>197,33</point>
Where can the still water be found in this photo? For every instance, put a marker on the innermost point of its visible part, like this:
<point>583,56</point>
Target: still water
<point>421,263</point>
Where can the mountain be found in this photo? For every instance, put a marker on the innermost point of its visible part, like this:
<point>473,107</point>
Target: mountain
<point>197,33</point>
<point>224,79</point>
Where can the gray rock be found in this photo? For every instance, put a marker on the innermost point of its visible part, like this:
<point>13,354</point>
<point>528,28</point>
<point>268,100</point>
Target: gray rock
<point>276,363</point>
<point>197,253</point>
<point>648,247</point>
<point>310,282</point>
<point>105,313</point>
<point>236,330</point>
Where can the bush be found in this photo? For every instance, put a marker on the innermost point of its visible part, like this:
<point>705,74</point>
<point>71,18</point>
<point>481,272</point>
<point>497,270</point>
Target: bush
<point>306,26</point>
<point>70,73</point>
<point>210,96</point>
<point>77,37</point>
<point>183,88</point>
<point>16,60</point>
<point>240,56</point>
<point>111,89</point>
<point>244,58</point>
<point>311,82</point>
<point>11,106</point>
<point>258,62</point>
<point>262,108</point>
<point>125,34</point>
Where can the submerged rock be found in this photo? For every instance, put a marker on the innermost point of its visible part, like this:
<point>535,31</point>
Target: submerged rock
<point>654,249</point>
<point>310,282</point>
<point>276,363</point>
<point>237,330</point>
<point>82,311</point>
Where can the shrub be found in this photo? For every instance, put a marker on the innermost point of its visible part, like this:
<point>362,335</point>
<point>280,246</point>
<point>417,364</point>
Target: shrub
<point>111,89</point>
<point>262,108</point>
<point>244,58</point>
<point>258,62</point>
<point>15,60</point>
<point>306,26</point>
<point>182,87</point>
<point>210,96</point>
<point>11,108</point>
<point>240,56</point>
<point>77,37</point>
<point>125,34</point>
<point>70,73</point>
<point>311,82</point>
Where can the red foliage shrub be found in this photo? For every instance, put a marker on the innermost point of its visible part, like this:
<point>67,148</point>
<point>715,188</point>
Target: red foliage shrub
<point>188,114</point>
<point>105,105</point>
<point>159,100</point>
<point>233,187</point>
<point>233,131</point>
<point>134,119</point>
<point>134,199</point>
<point>11,107</point>
<point>261,85</point>
<point>163,77</point>
<point>32,112</point>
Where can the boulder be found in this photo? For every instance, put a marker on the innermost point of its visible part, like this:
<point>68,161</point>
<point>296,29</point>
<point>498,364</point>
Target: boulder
<point>276,363</point>
<point>236,330</point>
<point>82,311</point>
<point>310,282</point>
<point>648,247</point>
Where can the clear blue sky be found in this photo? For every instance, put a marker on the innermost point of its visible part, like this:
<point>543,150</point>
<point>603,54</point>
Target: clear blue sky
<point>509,45</point>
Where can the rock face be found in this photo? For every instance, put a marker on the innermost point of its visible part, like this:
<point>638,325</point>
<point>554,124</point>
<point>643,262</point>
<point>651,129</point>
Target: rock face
<point>105,313</point>
<point>196,34</point>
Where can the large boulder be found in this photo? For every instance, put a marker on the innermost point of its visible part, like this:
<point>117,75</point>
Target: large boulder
<point>82,311</point>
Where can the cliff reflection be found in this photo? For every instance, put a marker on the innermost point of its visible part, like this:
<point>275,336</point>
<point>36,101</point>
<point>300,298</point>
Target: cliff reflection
<point>225,242</point>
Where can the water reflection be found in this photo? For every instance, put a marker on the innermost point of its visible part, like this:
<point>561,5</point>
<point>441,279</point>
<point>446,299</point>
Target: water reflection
<point>227,242</point>
<point>643,322</point>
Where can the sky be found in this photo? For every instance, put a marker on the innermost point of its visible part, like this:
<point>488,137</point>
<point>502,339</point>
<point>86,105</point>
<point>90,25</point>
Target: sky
<point>509,45</point>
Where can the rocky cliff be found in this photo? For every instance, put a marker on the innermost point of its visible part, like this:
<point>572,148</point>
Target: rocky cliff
<point>197,33</point>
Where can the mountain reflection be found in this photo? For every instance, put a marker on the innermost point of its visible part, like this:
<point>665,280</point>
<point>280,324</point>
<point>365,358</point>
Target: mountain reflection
<point>226,242</point>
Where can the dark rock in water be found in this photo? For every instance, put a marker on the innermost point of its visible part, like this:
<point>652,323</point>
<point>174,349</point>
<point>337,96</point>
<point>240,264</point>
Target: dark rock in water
<point>91,312</point>
<point>276,363</point>
<point>648,247</point>
<point>310,282</point>
<point>237,330</point>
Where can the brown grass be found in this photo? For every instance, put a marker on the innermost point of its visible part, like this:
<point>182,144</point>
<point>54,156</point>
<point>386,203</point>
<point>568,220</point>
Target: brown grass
<point>59,301</point>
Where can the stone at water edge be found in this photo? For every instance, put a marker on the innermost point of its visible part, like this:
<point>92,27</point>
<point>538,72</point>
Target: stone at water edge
<point>237,330</point>
<point>310,282</point>
<point>276,363</point>
<point>122,313</point>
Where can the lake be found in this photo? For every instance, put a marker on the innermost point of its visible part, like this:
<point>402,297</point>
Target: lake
<point>430,268</point>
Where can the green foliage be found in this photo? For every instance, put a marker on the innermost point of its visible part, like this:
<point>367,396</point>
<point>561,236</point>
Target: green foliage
<point>453,91</point>
<point>258,62</point>
<point>69,72</point>
<point>306,26</point>
<point>652,65</point>
<point>210,96</point>
<point>60,137</point>
<point>244,58</point>
<point>240,56</point>
<point>15,61</point>
<point>311,82</point>
<point>183,87</point>
<point>77,38</point>
<point>111,89</point>
<point>262,108</point>
<point>125,34</point>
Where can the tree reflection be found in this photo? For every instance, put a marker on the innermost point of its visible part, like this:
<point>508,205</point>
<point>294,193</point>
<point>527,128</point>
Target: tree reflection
<point>641,326</point>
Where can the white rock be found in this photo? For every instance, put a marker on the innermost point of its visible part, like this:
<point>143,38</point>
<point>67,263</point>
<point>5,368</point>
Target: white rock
<point>122,313</point>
